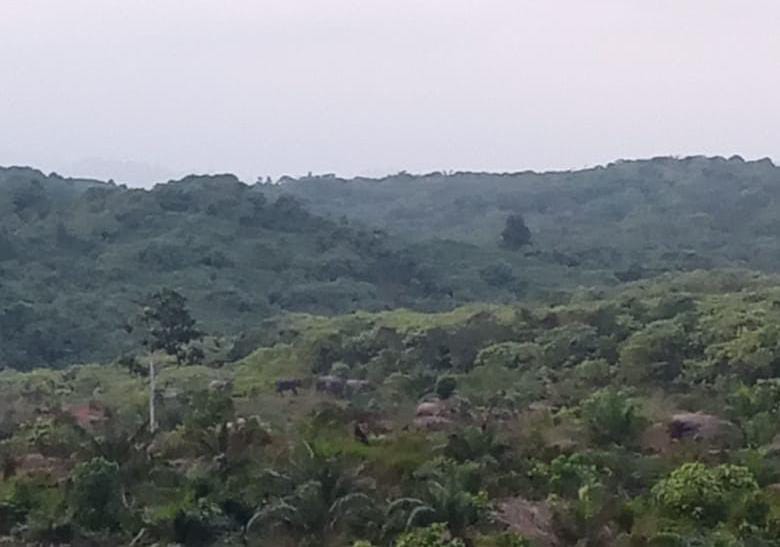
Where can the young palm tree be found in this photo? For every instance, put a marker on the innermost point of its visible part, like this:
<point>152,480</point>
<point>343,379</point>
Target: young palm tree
<point>321,495</point>
<point>446,498</point>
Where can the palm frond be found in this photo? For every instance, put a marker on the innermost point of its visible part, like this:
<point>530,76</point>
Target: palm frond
<point>344,504</point>
<point>402,503</point>
<point>416,513</point>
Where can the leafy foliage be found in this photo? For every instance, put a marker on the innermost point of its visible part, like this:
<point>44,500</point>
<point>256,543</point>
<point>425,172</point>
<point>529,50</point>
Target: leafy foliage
<point>77,257</point>
<point>435,535</point>
<point>170,326</point>
<point>96,496</point>
<point>645,414</point>
<point>703,493</point>
<point>612,417</point>
<point>515,234</point>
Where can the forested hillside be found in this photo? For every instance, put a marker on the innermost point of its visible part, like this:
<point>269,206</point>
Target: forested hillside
<point>77,257</point>
<point>641,216</point>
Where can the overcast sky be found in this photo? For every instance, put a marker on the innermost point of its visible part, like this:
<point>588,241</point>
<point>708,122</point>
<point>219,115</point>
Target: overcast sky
<point>145,90</point>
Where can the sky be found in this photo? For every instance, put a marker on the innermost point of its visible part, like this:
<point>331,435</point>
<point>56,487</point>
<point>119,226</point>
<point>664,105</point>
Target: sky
<point>147,90</point>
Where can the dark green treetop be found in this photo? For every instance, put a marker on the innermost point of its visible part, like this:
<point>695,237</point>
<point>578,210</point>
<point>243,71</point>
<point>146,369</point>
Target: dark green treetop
<point>170,326</point>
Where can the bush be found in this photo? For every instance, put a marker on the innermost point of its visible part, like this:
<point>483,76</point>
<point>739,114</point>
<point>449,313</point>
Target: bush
<point>611,417</point>
<point>198,525</point>
<point>512,355</point>
<point>435,535</point>
<point>340,370</point>
<point>703,493</point>
<point>594,371</point>
<point>655,352</point>
<point>34,500</point>
<point>209,408</point>
<point>566,475</point>
<point>499,274</point>
<point>445,386</point>
<point>95,497</point>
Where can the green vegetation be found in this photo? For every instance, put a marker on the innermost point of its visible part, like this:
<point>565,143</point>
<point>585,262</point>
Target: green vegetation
<point>170,327</point>
<point>586,359</point>
<point>77,256</point>
<point>464,425</point>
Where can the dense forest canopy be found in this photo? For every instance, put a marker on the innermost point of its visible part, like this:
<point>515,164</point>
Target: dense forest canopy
<point>76,256</point>
<point>660,200</point>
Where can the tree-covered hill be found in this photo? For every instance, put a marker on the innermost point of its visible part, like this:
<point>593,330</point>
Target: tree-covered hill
<point>630,216</point>
<point>77,258</point>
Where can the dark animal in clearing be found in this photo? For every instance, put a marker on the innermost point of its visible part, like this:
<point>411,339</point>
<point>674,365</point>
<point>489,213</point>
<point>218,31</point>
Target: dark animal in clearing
<point>288,385</point>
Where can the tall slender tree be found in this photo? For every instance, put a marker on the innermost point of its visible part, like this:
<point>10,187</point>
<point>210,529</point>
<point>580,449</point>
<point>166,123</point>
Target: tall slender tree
<point>170,328</point>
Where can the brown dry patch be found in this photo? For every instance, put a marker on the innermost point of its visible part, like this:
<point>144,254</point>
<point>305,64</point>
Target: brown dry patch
<point>89,415</point>
<point>533,520</point>
<point>38,464</point>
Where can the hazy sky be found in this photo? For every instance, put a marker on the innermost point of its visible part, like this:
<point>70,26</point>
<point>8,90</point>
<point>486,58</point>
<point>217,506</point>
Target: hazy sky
<point>143,90</point>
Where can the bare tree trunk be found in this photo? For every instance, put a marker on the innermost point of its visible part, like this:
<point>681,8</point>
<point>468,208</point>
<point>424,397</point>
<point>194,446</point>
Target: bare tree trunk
<point>152,418</point>
<point>138,537</point>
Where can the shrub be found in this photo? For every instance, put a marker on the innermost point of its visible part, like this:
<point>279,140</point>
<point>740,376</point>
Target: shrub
<point>499,274</point>
<point>523,355</point>
<point>95,497</point>
<point>655,352</point>
<point>611,417</point>
<point>445,386</point>
<point>706,494</point>
<point>435,535</point>
<point>594,371</point>
<point>198,525</point>
<point>209,408</point>
<point>340,369</point>
<point>566,475</point>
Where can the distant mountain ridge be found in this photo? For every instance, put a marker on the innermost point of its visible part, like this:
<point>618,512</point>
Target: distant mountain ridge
<point>388,201</point>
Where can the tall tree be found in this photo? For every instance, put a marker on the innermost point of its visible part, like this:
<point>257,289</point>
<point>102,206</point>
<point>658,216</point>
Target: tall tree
<point>170,326</point>
<point>515,234</point>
